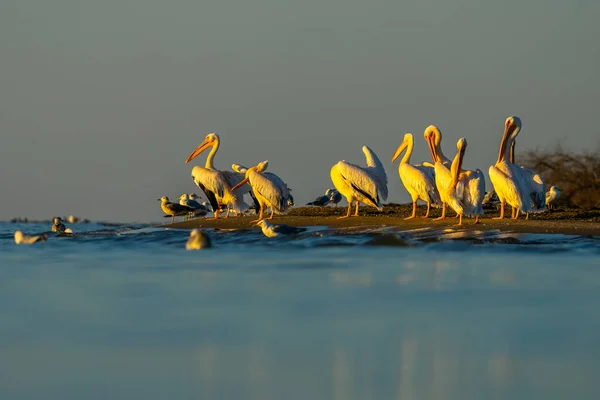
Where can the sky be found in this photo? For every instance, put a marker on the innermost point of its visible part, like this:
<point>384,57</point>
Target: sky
<point>101,102</point>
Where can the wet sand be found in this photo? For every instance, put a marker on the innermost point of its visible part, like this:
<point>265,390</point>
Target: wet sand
<point>569,222</point>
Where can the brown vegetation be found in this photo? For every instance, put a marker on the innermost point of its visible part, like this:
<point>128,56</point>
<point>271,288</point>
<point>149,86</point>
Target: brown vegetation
<point>577,175</point>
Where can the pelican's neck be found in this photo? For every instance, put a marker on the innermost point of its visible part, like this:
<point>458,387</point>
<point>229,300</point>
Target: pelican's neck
<point>438,147</point>
<point>408,152</point>
<point>209,160</point>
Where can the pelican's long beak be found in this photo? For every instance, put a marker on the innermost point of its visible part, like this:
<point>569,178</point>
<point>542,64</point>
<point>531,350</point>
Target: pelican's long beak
<point>240,184</point>
<point>508,129</point>
<point>203,146</point>
<point>399,150</point>
<point>431,144</point>
<point>457,167</point>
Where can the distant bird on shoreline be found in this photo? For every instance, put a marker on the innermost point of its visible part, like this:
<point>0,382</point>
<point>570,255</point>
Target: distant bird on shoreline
<point>320,201</point>
<point>552,197</point>
<point>271,230</point>
<point>21,238</point>
<point>173,209</point>
<point>198,240</point>
<point>334,196</point>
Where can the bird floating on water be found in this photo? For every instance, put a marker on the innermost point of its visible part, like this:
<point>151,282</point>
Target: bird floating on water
<point>274,230</point>
<point>21,238</point>
<point>198,240</point>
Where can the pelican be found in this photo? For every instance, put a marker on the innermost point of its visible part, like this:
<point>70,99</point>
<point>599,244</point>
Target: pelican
<point>198,240</point>
<point>217,184</point>
<point>442,173</point>
<point>20,238</point>
<point>57,225</point>
<point>418,180</point>
<point>269,189</point>
<point>270,230</point>
<point>334,196</point>
<point>507,178</point>
<point>173,209</point>
<point>470,186</point>
<point>535,184</point>
<point>242,169</point>
<point>361,184</point>
<point>552,197</point>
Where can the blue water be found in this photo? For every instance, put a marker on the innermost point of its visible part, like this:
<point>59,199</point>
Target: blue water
<point>125,312</point>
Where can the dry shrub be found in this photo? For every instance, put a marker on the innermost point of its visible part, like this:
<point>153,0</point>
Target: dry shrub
<point>577,175</point>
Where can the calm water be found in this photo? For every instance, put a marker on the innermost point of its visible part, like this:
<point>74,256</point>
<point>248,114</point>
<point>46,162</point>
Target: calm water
<point>126,312</point>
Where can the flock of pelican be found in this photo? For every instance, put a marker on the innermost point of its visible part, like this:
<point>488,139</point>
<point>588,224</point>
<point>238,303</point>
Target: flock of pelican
<point>440,183</point>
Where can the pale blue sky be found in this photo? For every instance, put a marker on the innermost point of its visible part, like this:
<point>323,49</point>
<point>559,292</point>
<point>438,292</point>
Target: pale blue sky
<point>102,101</point>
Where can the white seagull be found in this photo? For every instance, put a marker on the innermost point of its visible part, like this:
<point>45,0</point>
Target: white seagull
<point>552,197</point>
<point>271,230</point>
<point>173,209</point>
<point>361,184</point>
<point>198,240</point>
<point>20,238</point>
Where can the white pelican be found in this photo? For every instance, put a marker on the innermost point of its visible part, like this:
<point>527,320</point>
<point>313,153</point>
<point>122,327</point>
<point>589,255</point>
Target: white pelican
<point>443,175</point>
<point>269,189</point>
<point>418,180</point>
<point>507,178</point>
<point>361,184</point>
<point>20,238</point>
<point>217,184</point>
<point>173,209</point>
<point>470,186</point>
<point>270,175</point>
<point>57,225</point>
<point>198,240</point>
<point>270,230</point>
<point>552,197</point>
<point>535,184</point>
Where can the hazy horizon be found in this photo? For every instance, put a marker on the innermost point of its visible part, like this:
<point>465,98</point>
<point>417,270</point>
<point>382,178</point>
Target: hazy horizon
<point>102,102</point>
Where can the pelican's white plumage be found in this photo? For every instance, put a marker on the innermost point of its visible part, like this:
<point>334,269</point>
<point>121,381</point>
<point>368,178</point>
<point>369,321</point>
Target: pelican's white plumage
<point>470,186</point>
<point>419,180</point>
<point>269,189</point>
<point>216,184</point>
<point>507,178</point>
<point>534,183</point>
<point>443,175</point>
<point>361,184</point>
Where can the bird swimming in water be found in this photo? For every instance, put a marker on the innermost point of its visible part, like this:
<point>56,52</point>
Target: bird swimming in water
<point>198,240</point>
<point>57,225</point>
<point>20,238</point>
<point>552,197</point>
<point>173,209</point>
<point>271,230</point>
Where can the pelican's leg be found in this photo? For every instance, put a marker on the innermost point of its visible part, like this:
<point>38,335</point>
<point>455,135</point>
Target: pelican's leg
<point>260,215</point>
<point>356,212</point>
<point>272,212</point>
<point>443,212</point>
<point>349,211</point>
<point>512,213</point>
<point>414,214</point>
<point>427,213</point>
<point>228,210</point>
<point>216,214</point>
<point>476,219</point>
<point>459,220</point>
<point>501,211</point>
<point>173,218</point>
<point>516,214</point>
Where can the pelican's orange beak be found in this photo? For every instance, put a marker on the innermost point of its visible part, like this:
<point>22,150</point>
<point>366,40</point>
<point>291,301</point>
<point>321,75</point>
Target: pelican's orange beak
<point>242,183</point>
<point>399,150</point>
<point>431,144</point>
<point>203,146</point>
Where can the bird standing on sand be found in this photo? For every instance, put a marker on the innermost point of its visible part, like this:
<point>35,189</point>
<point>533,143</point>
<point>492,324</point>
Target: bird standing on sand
<point>198,240</point>
<point>20,238</point>
<point>491,200</point>
<point>334,196</point>
<point>552,197</point>
<point>361,184</point>
<point>270,230</point>
<point>320,201</point>
<point>173,209</point>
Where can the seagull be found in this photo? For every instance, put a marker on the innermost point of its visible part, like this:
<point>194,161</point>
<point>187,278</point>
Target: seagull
<point>491,199</point>
<point>20,238</point>
<point>552,197</point>
<point>197,208</point>
<point>198,240</point>
<point>321,201</point>
<point>334,196</point>
<point>173,209</point>
<point>73,219</point>
<point>271,230</point>
<point>57,225</point>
